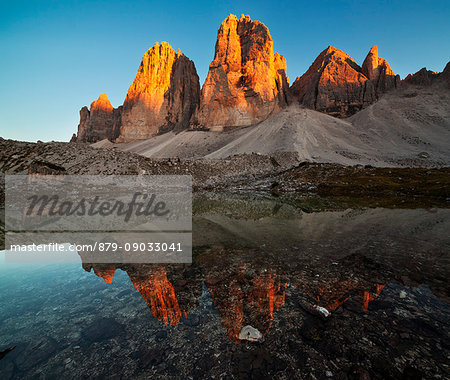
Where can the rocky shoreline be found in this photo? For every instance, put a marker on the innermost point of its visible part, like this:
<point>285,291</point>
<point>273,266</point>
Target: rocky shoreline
<point>277,174</point>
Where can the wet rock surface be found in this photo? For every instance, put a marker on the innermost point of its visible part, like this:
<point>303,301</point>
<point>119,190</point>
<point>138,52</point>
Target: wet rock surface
<point>380,273</point>
<point>276,244</point>
<point>101,329</point>
<point>163,96</point>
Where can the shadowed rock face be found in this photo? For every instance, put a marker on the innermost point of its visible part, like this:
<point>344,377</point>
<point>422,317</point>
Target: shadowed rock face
<point>101,122</point>
<point>426,77</point>
<point>246,84</point>
<point>335,84</point>
<point>246,81</point>
<point>163,96</point>
<point>445,76</point>
<point>423,77</point>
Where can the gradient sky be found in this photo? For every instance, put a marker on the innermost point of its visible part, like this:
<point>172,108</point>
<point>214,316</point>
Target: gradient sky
<point>57,56</point>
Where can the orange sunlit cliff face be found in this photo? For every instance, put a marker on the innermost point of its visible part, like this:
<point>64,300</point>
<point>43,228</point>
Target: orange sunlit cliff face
<point>102,103</point>
<point>379,72</point>
<point>159,294</point>
<point>106,272</point>
<point>335,294</point>
<point>246,84</point>
<point>337,85</point>
<point>246,80</point>
<point>239,301</point>
<point>154,287</point>
<point>371,296</point>
<point>163,95</point>
<point>102,121</point>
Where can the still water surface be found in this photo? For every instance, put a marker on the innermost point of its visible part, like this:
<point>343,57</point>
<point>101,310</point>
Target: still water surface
<point>380,273</point>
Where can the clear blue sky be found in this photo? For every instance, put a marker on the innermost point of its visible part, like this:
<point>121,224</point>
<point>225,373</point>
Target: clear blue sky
<point>57,56</point>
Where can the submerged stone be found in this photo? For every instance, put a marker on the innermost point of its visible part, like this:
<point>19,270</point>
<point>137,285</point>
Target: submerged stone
<point>250,334</point>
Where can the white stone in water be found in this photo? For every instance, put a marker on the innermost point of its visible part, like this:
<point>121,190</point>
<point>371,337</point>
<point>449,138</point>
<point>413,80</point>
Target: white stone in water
<point>322,311</point>
<point>402,294</point>
<point>251,334</point>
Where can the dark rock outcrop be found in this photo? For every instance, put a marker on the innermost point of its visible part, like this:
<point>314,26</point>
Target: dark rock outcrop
<point>426,77</point>
<point>445,76</point>
<point>45,168</point>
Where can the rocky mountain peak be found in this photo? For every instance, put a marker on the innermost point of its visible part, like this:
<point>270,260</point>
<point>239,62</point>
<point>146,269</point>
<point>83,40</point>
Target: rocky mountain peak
<point>426,77</point>
<point>374,50</point>
<point>163,95</point>
<point>244,18</point>
<point>337,85</point>
<point>330,50</point>
<point>101,122</point>
<point>423,77</point>
<point>374,66</point>
<point>246,81</point>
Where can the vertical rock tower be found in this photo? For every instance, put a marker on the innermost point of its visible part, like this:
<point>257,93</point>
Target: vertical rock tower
<point>379,72</point>
<point>102,121</point>
<point>163,96</point>
<point>246,81</point>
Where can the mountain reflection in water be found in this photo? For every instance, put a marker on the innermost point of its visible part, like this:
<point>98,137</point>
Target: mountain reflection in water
<point>381,273</point>
<point>241,299</point>
<point>238,298</point>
